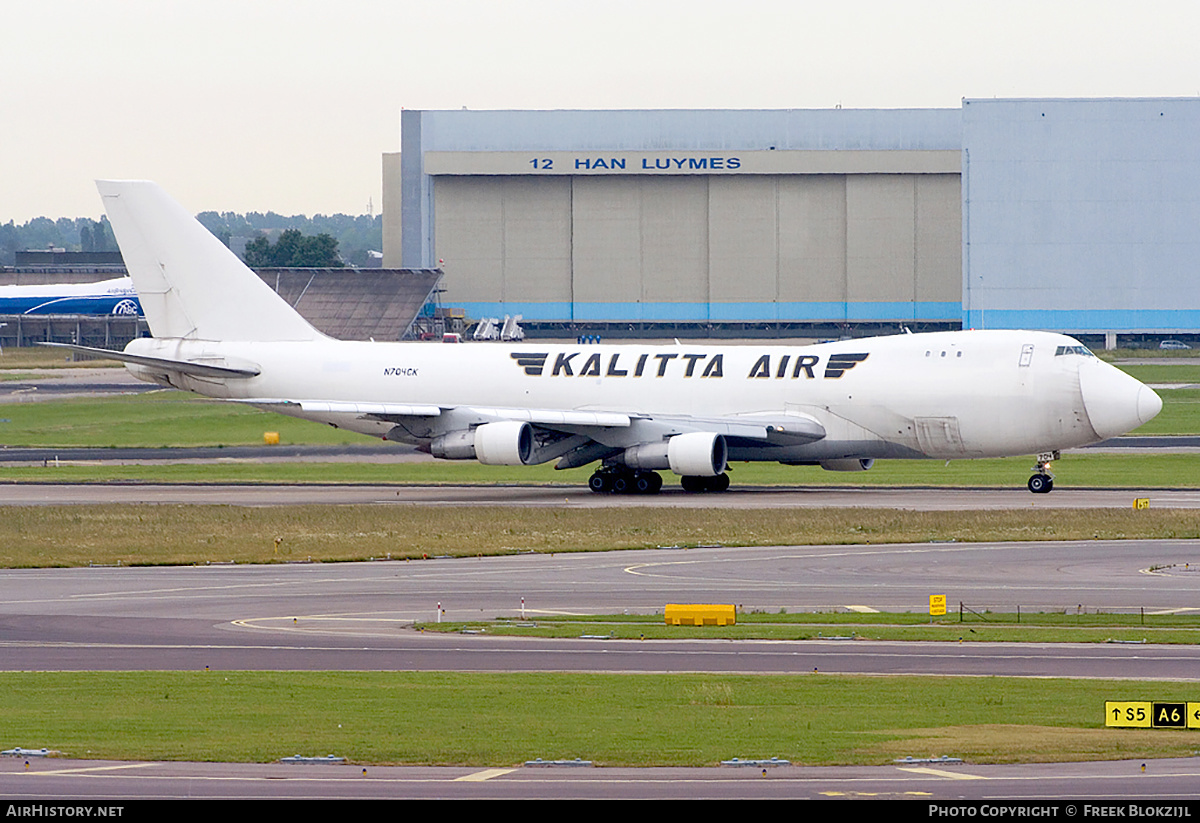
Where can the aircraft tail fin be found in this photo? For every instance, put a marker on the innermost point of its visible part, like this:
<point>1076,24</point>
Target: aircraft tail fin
<point>190,285</point>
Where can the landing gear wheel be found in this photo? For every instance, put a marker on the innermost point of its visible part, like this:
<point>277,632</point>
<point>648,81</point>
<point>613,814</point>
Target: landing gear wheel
<point>717,484</point>
<point>647,482</point>
<point>1041,483</point>
<point>601,482</point>
<point>622,482</point>
<point>692,483</point>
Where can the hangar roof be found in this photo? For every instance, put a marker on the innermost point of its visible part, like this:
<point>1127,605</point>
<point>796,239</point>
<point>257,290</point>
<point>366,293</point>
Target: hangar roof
<point>682,129</point>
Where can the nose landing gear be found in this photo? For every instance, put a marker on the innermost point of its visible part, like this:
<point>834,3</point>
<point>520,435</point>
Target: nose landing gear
<point>1043,481</point>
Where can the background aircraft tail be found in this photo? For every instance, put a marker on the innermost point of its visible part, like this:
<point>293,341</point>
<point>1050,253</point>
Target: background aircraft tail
<point>189,283</point>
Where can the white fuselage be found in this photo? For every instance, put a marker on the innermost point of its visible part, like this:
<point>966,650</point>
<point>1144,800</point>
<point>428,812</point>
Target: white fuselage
<point>115,296</point>
<point>940,395</point>
<point>636,409</point>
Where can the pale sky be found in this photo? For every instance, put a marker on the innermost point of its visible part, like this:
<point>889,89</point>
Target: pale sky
<point>288,105</point>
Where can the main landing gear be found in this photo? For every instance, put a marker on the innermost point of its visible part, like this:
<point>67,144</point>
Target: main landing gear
<point>624,481</point>
<point>1043,481</point>
<point>719,483</point>
<point>619,480</point>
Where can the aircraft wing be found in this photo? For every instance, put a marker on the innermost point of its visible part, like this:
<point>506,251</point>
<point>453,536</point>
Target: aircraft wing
<point>790,427</point>
<point>388,411</point>
<point>794,427</point>
<point>379,411</point>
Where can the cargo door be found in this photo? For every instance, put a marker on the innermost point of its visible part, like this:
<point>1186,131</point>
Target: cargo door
<point>939,436</point>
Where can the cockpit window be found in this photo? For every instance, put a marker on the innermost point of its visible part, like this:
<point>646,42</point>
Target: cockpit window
<point>1081,350</point>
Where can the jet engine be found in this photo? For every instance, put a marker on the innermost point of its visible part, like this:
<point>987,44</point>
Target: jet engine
<point>506,443</point>
<point>697,454</point>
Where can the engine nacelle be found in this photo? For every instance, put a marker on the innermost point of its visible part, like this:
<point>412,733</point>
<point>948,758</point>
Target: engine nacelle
<point>459,445</point>
<point>848,464</point>
<point>507,443</point>
<point>697,454</point>
<point>647,456</point>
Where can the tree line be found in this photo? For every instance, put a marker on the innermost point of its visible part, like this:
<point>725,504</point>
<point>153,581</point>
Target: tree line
<point>293,249</point>
<point>70,233</point>
<point>335,240</point>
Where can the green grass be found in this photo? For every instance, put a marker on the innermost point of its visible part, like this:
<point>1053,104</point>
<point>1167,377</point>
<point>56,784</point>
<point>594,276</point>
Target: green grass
<point>45,357</point>
<point>140,534</point>
<point>636,720</point>
<point>154,419</point>
<point>974,628</point>
<point>1164,372</point>
<point>1166,355</point>
<point>1180,413</point>
<point>1136,472</point>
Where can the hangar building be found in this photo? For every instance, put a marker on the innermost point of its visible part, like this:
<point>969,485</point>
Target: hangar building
<point>1082,215</point>
<point>1074,215</point>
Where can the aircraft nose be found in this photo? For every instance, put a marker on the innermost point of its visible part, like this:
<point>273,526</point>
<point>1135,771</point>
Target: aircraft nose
<point>1149,404</point>
<point>1115,402</point>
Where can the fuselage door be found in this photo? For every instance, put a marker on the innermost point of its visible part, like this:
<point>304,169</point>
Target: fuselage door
<point>1026,355</point>
<point>939,436</point>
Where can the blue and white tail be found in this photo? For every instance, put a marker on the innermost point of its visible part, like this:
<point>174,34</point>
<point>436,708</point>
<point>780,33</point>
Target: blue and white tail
<point>190,285</point>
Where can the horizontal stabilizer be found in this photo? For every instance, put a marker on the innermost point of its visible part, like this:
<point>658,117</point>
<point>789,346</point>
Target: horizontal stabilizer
<point>180,366</point>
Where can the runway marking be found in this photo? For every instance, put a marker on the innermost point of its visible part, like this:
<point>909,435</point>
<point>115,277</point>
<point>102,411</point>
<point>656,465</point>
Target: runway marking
<point>215,589</point>
<point>208,588</point>
<point>863,609</point>
<point>254,622</point>
<point>940,773</point>
<point>875,794</point>
<point>486,774</point>
<point>806,554</point>
<point>666,570</point>
<point>83,770</point>
<point>289,623</point>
